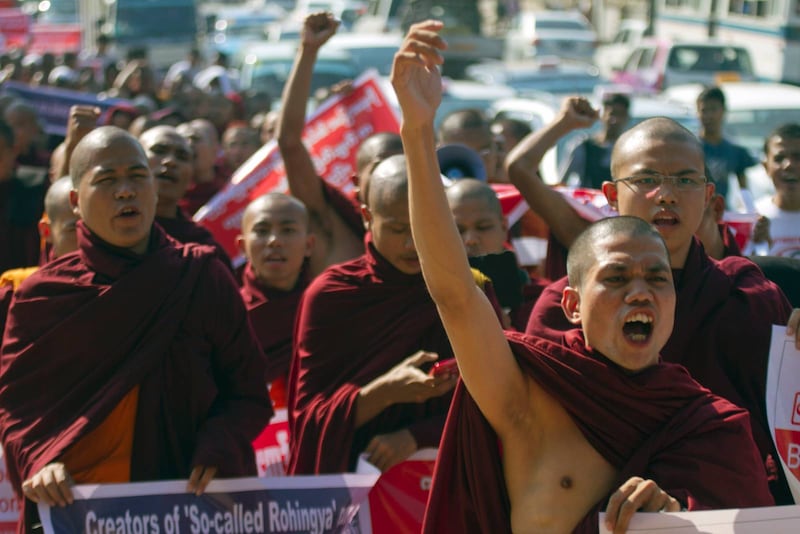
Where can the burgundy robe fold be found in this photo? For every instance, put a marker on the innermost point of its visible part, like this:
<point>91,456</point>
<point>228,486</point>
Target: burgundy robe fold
<point>272,315</point>
<point>723,324</point>
<point>356,321</point>
<point>658,424</point>
<point>185,230</point>
<point>89,326</point>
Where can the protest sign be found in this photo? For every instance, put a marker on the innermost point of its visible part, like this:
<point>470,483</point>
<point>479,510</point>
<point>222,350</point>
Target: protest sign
<point>332,135</point>
<point>773,519</point>
<point>272,446</point>
<point>783,404</point>
<point>9,504</point>
<point>315,504</point>
<point>53,104</point>
<point>397,502</point>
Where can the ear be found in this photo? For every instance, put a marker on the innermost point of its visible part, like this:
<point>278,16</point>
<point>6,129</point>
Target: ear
<point>610,191</point>
<point>73,201</point>
<point>310,240</point>
<point>366,216</point>
<point>44,230</point>
<point>710,188</point>
<point>240,244</point>
<point>718,207</point>
<point>571,304</point>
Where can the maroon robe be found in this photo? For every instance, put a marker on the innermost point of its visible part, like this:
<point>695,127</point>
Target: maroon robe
<point>272,315</point>
<point>185,230</point>
<point>21,207</point>
<point>88,327</point>
<point>199,194</point>
<point>723,324</point>
<point>658,424</point>
<point>356,321</point>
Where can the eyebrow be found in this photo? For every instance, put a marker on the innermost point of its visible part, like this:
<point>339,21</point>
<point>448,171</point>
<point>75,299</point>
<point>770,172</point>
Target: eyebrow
<point>683,172</point>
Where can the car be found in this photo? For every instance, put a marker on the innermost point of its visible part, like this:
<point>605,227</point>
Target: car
<point>611,56</point>
<point>347,11</point>
<point>657,64</point>
<point>541,111</point>
<point>266,67</point>
<point>565,34</point>
<point>556,77</point>
<point>236,27</point>
<point>368,50</point>
<point>754,110</point>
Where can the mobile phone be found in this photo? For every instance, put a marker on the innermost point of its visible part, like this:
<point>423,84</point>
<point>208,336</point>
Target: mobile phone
<point>444,367</point>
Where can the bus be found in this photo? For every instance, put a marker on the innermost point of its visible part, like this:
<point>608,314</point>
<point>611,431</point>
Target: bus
<point>770,29</point>
<point>166,28</point>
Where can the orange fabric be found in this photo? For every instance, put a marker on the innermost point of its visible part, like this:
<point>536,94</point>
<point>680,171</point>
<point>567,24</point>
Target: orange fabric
<point>103,456</point>
<point>15,277</point>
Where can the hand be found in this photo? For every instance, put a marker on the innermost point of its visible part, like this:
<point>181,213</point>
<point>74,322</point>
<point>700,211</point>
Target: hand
<point>576,112</point>
<point>387,450</point>
<point>761,231</point>
<point>318,28</point>
<point>415,75</point>
<point>50,486</point>
<point>410,384</point>
<point>634,495</point>
<point>199,479</point>
<point>793,327</point>
<point>81,121</point>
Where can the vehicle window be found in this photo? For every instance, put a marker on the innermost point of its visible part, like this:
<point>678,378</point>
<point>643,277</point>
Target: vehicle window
<point>622,36</point>
<point>723,58</point>
<point>646,60</point>
<point>749,127</point>
<point>633,60</point>
<point>559,25</point>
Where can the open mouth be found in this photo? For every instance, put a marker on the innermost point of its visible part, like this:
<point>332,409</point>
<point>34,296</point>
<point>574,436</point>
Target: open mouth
<point>167,177</point>
<point>128,212</point>
<point>664,219</point>
<point>638,327</point>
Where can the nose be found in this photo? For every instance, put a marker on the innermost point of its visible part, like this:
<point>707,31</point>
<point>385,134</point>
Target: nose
<point>638,291</point>
<point>665,194</point>
<point>409,243</point>
<point>125,189</point>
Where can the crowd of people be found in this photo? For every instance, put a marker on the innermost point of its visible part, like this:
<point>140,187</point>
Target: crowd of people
<point>134,350</point>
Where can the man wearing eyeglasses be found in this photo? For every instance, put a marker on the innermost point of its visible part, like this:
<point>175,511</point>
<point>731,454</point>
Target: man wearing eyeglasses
<point>724,310</point>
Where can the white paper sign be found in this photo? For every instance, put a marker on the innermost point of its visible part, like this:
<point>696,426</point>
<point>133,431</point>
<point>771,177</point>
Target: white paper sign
<point>772,520</point>
<point>783,404</point>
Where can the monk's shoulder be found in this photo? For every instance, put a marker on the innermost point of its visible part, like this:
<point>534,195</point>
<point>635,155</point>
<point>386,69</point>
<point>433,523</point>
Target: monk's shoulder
<point>54,277</point>
<point>746,276</point>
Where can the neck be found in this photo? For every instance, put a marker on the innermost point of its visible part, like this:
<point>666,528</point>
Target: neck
<point>167,210</point>
<point>787,202</point>
<point>679,255</point>
<point>204,175</point>
<point>281,285</point>
<point>712,136</point>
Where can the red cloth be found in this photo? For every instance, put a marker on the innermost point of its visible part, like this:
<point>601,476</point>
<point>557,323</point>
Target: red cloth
<point>185,230</point>
<point>658,424</point>
<point>198,195</point>
<point>357,320</point>
<point>21,207</point>
<point>272,315</point>
<point>89,326</point>
<point>723,324</point>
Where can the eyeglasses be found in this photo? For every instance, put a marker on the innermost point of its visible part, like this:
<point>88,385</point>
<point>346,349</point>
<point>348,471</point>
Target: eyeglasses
<point>645,183</point>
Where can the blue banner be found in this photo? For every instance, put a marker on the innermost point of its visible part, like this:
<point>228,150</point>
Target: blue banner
<point>53,104</point>
<point>312,504</point>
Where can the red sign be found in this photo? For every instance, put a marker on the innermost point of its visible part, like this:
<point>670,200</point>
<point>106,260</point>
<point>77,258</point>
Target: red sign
<point>272,446</point>
<point>332,136</point>
<point>57,38</point>
<point>15,27</point>
<point>788,445</point>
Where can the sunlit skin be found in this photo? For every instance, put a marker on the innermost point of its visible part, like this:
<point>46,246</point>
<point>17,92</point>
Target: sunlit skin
<point>275,239</point>
<point>483,229</point>
<point>116,195</point>
<point>630,279</point>
<point>675,214</point>
<point>391,234</point>
<point>782,163</point>
<point>58,227</point>
<point>711,113</point>
<point>171,162</point>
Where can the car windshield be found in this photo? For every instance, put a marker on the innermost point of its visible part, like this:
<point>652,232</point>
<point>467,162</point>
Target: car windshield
<point>271,76</point>
<point>709,58</point>
<point>750,127</point>
<point>559,25</point>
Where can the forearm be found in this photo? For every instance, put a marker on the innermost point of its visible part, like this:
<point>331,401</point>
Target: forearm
<point>294,98</point>
<point>372,399</point>
<point>438,243</point>
<point>522,165</point>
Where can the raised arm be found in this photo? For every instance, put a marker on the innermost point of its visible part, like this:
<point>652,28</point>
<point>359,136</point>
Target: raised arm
<point>487,365</point>
<point>522,165</point>
<point>300,172</point>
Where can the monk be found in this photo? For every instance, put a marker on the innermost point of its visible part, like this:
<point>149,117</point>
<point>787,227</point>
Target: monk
<point>123,343</point>
<point>170,158</point>
<point>725,310</point>
<point>579,423</point>
<point>335,218</point>
<point>484,231</point>
<point>366,334</point>
<point>276,241</point>
<point>56,228</point>
<point>21,205</point>
<point>208,176</point>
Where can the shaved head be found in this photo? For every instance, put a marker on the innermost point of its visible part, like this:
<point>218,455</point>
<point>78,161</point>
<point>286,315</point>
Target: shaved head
<point>660,129</point>
<point>377,147</point>
<point>583,253</point>
<point>275,201</point>
<point>388,185</point>
<point>56,201</point>
<point>98,139</point>
<point>471,189</point>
